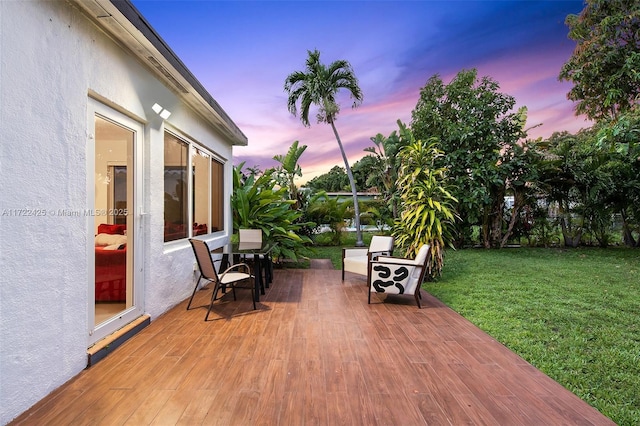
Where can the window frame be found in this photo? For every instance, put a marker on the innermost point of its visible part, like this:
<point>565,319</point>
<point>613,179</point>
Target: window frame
<point>192,150</point>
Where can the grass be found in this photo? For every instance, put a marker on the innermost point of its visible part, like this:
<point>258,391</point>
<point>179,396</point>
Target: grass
<point>324,250</point>
<point>574,314</point>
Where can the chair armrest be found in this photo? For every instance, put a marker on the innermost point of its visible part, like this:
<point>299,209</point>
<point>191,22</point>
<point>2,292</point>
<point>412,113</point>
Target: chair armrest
<point>237,266</point>
<point>373,255</point>
<point>395,261</point>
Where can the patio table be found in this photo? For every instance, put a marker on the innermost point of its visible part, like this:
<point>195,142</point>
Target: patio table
<point>248,249</point>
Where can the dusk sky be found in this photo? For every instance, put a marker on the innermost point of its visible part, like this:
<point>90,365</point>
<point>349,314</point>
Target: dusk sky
<point>242,52</point>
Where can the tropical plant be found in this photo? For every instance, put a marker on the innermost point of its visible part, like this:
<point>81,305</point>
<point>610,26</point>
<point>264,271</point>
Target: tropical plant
<point>562,180</point>
<point>604,69</point>
<point>620,141</point>
<point>428,208</point>
<point>590,185</point>
<point>596,194</point>
<point>376,213</point>
<point>622,134</point>
<point>288,169</point>
<point>386,150</point>
<point>331,211</point>
<point>257,202</point>
<point>318,85</point>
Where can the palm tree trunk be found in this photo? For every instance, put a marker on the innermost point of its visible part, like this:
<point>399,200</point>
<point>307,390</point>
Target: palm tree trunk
<point>354,192</point>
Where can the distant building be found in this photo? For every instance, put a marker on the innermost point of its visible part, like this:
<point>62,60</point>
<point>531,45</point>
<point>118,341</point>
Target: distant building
<point>362,196</point>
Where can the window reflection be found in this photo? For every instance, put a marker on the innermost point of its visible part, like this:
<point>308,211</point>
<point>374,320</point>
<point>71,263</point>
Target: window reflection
<point>203,176</point>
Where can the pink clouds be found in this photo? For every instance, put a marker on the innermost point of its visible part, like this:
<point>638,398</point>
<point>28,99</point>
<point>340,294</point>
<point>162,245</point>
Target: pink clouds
<point>243,51</point>
<point>532,78</point>
<point>355,127</point>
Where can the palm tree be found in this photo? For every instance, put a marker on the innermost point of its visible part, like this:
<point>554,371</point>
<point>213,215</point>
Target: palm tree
<point>318,85</point>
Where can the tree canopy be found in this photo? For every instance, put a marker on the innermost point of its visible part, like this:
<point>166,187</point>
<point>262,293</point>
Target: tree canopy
<point>335,180</point>
<point>318,85</point>
<point>605,65</point>
<point>476,130</point>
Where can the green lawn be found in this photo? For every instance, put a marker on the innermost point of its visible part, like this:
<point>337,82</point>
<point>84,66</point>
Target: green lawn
<point>574,314</point>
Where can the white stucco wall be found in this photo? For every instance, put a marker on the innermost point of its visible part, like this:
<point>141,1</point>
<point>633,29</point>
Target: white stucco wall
<point>52,57</point>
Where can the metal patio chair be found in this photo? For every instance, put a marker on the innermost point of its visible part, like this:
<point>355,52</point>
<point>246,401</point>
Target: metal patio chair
<point>232,277</point>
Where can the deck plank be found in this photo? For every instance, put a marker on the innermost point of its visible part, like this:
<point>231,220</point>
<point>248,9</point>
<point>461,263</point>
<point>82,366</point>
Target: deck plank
<point>314,352</point>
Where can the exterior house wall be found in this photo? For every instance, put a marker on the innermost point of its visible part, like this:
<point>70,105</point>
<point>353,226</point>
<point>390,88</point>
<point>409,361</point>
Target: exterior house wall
<point>54,59</point>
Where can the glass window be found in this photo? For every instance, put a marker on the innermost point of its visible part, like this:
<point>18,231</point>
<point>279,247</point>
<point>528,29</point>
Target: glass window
<point>217,196</point>
<point>200,161</point>
<point>175,188</point>
<point>205,205</point>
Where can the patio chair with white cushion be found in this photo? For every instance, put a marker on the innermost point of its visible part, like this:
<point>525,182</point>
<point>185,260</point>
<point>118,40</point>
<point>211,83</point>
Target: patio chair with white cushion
<point>251,236</point>
<point>356,260</point>
<point>395,275</point>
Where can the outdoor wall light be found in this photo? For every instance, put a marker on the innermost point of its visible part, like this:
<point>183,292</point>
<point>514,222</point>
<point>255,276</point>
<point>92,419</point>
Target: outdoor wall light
<point>164,113</point>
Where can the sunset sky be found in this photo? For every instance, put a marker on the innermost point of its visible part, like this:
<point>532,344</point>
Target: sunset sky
<point>242,52</point>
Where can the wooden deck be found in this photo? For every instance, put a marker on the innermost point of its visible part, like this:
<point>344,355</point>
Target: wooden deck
<point>314,353</point>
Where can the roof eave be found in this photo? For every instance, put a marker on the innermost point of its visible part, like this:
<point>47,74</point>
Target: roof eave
<point>124,23</point>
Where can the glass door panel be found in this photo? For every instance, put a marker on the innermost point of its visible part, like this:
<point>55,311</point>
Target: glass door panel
<point>113,219</point>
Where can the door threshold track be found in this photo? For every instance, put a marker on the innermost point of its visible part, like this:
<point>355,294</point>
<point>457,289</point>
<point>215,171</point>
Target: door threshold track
<point>105,346</point>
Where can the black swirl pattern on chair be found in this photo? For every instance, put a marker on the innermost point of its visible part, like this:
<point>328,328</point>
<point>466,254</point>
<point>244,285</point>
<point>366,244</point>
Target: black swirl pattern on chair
<point>384,272</point>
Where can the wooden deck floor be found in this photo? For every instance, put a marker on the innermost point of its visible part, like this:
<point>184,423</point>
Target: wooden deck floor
<point>314,353</point>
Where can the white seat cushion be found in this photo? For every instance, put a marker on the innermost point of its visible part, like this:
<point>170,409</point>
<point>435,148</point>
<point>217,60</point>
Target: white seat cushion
<point>356,259</point>
<point>356,264</point>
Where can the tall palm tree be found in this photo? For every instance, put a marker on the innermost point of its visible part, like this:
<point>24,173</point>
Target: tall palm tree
<point>318,85</point>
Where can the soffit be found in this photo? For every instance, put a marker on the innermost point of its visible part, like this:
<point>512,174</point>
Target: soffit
<point>123,23</point>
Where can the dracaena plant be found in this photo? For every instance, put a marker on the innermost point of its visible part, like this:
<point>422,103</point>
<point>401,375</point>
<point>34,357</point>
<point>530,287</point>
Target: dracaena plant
<point>427,207</point>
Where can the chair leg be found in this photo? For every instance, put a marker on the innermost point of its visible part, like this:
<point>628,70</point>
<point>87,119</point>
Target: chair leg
<point>253,295</point>
<point>270,268</point>
<point>194,292</point>
<point>258,274</point>
<point>223,287</point>
<point>418,296</point>
<point>369,301</point>
<point>220,287</point>
<point>213,295</point>
<point>268,272</point>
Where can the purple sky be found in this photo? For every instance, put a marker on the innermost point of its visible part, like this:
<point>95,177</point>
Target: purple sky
<point>242,51</point>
